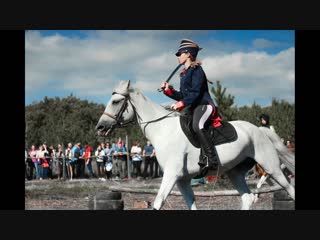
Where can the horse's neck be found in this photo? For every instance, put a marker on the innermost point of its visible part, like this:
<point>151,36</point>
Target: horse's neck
<point>148,111</point>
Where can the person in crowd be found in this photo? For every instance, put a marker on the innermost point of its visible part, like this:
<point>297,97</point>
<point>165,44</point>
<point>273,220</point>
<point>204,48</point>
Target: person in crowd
<point>115,162</point>
<point>156,172</point>
<point>25,164</point>
<point>88,159</point>
<point>103,145</point>
<point>41,158</point>
<point>120,142</point>
<point>100,163</point>
<point>290,146</point>
<point>60,157</point>
<point>45,167</point>
<point>81,162</point>
<point>265,121</point>
<point>53,163</point>
<point>32,154</point>
<point>148,155</point>
<point>108,151</point>
<point>48,155</point>
<point>136,154</point>
<point>75,154</point>
<point>69,162</point>
<point>121,153</point>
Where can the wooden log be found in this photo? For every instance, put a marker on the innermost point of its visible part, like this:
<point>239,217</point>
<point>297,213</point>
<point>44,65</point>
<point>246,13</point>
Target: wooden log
<point>281,195</point>
<point>282,201</point>
<point>108,196</point>
<point>106,205</point>
<point>283,205</point>
<point>106,201</point>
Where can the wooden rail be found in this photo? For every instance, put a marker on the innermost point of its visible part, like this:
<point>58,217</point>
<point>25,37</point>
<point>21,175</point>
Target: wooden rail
<point>196,193</point>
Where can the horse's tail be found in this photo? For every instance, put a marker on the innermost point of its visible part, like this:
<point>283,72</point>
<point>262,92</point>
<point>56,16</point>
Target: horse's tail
<point>286,157</point>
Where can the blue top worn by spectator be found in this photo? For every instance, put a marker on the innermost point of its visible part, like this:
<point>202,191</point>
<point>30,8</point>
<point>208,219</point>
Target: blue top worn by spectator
<point>148,150</point>
<point>75,151</point>
<point>122,149</point>
<point>82,150</point>
<point>109,151</point>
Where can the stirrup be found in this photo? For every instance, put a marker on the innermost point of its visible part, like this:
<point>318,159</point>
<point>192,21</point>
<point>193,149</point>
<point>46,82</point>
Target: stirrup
<point>204,162</point>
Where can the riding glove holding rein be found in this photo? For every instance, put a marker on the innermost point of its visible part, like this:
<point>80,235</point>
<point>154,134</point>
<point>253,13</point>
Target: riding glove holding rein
<point>178,106</point>
<point>168,90</point>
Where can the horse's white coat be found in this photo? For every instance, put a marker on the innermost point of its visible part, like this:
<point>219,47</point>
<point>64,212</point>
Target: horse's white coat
<point>179,158</point>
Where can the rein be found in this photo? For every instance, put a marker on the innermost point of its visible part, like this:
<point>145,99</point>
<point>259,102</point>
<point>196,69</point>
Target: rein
<point>118,117</point>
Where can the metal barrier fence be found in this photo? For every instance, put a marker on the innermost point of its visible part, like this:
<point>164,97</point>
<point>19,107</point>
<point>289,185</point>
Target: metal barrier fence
<point>55,161</point>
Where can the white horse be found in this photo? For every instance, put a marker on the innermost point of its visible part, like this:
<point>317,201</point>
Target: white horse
<point>179,158</point>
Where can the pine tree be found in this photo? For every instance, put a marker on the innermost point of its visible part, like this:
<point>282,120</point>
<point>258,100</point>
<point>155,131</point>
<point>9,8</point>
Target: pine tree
<point>223,101</point>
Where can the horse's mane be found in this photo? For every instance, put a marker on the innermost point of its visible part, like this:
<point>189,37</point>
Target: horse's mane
<point>159,108</point>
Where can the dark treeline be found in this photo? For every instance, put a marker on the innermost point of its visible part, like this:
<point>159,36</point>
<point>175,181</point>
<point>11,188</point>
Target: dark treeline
<point>281,112</point>
<point>62,120</point>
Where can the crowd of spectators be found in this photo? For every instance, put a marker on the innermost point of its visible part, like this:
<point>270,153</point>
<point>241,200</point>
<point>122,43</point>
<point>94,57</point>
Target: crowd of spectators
<point>105,162</point>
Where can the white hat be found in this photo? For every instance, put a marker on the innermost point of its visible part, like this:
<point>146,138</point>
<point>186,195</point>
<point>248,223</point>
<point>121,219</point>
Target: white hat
<point>108,166</point>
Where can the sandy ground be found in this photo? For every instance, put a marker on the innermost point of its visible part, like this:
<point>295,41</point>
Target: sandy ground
<point>74,195</point>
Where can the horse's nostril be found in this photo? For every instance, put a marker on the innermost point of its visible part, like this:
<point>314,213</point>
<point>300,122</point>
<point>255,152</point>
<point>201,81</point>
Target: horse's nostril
<point>100,127</point>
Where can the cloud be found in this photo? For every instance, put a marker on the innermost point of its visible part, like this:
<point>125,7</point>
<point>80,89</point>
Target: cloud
<point>264,43</point>
<point>94,64</point>
<point>254,75</point>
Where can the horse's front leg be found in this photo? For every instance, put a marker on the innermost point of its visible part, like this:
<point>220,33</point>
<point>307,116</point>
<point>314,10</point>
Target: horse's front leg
<point>185,188</point>
<point>168,182</point>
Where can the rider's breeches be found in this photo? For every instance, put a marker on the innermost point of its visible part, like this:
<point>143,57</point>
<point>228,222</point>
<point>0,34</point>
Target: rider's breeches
<point>201,115</point>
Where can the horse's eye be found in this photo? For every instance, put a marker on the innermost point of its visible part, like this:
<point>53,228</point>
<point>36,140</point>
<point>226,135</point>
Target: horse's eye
<point>116,101</point>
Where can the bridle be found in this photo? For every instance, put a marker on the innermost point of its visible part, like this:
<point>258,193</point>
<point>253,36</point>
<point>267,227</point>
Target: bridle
<point>119,116</point>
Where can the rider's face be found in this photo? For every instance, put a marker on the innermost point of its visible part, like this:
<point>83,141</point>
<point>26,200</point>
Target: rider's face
<point>183,58</point>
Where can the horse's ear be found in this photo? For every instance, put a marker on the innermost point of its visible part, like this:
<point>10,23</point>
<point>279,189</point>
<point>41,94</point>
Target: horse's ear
<point>125,84</point>
<point>123,87</point>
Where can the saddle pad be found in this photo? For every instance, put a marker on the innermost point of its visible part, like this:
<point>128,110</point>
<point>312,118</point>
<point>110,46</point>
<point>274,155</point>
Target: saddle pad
<point>222,134</point>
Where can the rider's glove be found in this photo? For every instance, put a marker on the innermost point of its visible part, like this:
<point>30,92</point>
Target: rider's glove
<point>177,106</point>
<point>167,89</point>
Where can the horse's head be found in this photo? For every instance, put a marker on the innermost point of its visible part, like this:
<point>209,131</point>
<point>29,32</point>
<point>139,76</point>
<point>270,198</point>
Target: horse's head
<point>118,111</point>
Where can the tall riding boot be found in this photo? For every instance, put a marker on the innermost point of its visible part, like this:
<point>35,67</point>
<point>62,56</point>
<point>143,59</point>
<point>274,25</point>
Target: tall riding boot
<point>210,160</point>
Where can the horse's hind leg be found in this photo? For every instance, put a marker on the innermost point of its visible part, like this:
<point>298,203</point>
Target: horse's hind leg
<point>273,168</point>
<point>280,178</point>
<point>237,177</point>
<point>185,188</point>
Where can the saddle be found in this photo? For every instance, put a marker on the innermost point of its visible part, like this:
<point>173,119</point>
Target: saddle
<point>219,135</point>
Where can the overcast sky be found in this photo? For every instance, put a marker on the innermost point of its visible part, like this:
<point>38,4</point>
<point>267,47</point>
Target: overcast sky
<point>254,65</point>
